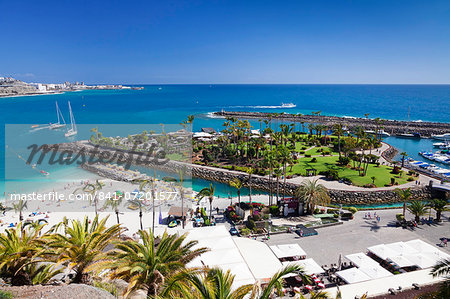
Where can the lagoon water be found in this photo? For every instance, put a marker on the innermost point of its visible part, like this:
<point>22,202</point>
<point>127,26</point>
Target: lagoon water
<point>170,104</point>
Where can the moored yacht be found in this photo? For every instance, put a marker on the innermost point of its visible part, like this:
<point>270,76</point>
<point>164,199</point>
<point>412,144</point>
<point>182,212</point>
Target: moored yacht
<point>73,130</point>
<point>445,136</point>
<point>60,117</point>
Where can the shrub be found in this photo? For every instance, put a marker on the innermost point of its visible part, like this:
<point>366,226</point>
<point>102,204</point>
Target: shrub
<point>207,223</point>
<point>316,211</point>
<point>245,231</point>
<point>353,210</point>
<point>370,185</point>
<point>308,155</point>
<point>410,179</point>
<point>332,211</point>
<point>396,170</point>
<point>343,161</point>
<point>304,148</point>
<point>313,160</point>
<point>251,224</point>
<point>400,217</point>
<point>331,174</point>
<point>266,217</point>
<point>301,152</point>
<point>274,210</point>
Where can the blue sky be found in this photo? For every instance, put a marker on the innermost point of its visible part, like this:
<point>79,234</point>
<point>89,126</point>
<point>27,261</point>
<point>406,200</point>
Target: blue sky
<point>192,41</point>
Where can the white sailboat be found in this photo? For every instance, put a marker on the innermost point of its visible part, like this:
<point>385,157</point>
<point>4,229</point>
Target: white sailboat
<point>73,130</point>
<point>60,117</point>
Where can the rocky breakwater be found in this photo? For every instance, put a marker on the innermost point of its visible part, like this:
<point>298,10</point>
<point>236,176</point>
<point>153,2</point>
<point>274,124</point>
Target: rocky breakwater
<point>375,197</point>
<point>90,155</point>
<point>390,126</point>
<point>390,153</point>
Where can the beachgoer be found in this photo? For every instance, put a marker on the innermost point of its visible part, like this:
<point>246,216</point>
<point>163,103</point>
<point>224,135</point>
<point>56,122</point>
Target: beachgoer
<point>301,233</point>
<point>445,242</point>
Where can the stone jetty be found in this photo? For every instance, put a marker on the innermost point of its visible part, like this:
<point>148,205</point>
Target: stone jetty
<point>393,127</point>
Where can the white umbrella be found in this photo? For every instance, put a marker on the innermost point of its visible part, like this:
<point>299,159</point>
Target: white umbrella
<point>353,275</point>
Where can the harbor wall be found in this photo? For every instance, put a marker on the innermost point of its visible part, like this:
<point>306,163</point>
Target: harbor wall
<point>394,127</point>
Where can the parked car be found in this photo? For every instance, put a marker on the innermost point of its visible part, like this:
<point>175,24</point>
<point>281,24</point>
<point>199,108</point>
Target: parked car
<point>234,231</point>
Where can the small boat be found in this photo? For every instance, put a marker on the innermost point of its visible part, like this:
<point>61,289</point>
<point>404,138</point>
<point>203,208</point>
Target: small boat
<point>60,117</point>
<point>73,130</point>
<point>445,136</point>
<point>380,132</point>
<point>409,135</point>
<point>34,126</point>
<point>44,172</point>
<point>173,223</point>
<point>288,105</point>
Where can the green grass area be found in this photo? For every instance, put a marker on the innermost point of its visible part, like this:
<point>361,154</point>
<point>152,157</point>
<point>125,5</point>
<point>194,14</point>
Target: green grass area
<point>382,174</point>
<point>316,150</point>
<point>300,145</point>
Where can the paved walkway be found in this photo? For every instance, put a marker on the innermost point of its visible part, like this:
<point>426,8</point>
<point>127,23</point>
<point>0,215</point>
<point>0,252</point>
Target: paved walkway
<point>356,235</point>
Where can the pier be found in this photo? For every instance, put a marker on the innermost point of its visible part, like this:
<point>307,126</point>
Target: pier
<point>393,127</point>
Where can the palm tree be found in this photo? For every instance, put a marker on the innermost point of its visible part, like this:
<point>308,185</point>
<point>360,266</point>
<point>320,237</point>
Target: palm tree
<point>81,245</point>
<point>18,248</point>
<point>405,195</point>
<point>206,283</point>
<point>312,194</point>
<point>207,192</point>
<point>403,154</point>
<point>19,207</point>
<point>278,172</point>
<point>442,268</point>
<point>439,205</point>
<point>95,130</point>
<point>276,282</point>
<point>92,190</point>
<point>250,171</point>
<point>144,186</point>
<point>190,120</point>
<point>147,265</point>
<point>179,182</point>
<point>339,131</point>
<point>114,203</point>
<point>140,205</point>
<point>418,208</point>
<point>237,183</point>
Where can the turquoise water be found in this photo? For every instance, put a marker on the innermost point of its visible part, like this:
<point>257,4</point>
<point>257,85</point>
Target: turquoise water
<point>170,104</point>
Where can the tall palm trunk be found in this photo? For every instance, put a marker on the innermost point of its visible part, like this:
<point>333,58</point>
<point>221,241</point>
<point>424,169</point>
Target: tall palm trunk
<point>117,216</point>
<point>210,209</point>
<point>140,218</point>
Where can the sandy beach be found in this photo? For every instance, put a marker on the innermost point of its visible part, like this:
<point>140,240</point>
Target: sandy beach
<point>54,211</point>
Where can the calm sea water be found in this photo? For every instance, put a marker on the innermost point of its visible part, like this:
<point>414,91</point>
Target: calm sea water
<point>170,104</point>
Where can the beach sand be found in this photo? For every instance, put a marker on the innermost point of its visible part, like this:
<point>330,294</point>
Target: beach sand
<point>54,211</point>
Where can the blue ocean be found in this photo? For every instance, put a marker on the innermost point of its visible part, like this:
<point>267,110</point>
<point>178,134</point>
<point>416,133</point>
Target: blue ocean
<point>170,104</point>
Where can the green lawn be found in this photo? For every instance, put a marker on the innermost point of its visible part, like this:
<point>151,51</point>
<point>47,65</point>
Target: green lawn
<point>315,151</point>
<point>383,173</point>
